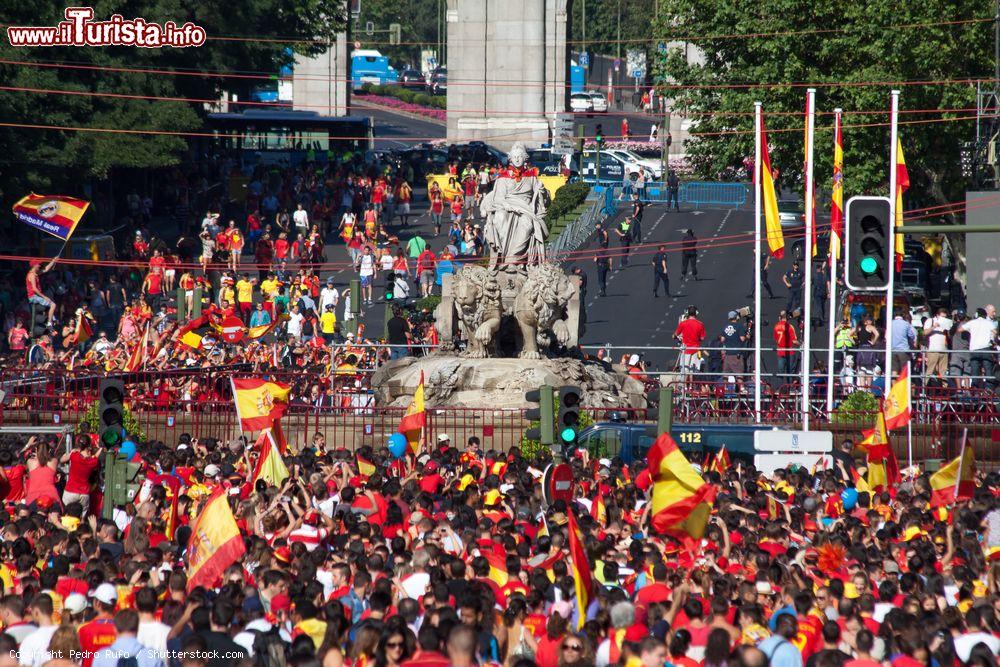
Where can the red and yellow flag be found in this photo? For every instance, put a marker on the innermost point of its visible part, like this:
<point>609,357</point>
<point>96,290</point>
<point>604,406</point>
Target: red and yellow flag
<point>837,194</point>
<point>173,488</point>
<point>253,333</point>
<point>137,357</point>
<point>772,223</point>
<point>598,510</point>
<point>270,466</point>
<point>720,462</point>
<point>902,185</point>
<point>53,214</point>
<point>897,402</point>
<point>956,481</point>
<point>883,469</point>
<point>498,567</point>
<point>810,197</point>
<point>413,422</point>
<point>682,501</point>
<point>216,542</point>
<point>365,467</point>
<point>259,403</point>
<point>580,570</point>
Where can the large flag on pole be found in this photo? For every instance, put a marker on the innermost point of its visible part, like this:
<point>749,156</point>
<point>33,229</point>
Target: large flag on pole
<point>413,422</point>
<point>215,543</point>
<point>810,197</point>
<point>897,401</point>
<point>580,569</point>
<point>955,481</point>
<point>772,223</point>
<point>53,214</point>
<point>902,185</point>
<point>883,469</point>
<point>259,403</point>
<point>682,500</point>
<point>837,195</point>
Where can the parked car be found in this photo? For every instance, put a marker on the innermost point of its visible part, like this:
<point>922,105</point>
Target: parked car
<point>581,103</point>
<point>437,83</point>
<point>600,102</point>
<point>613,167</point>
<point>790,214</point>
<point>547,163</point>
<point>653,165</point>
<point>411,78</point>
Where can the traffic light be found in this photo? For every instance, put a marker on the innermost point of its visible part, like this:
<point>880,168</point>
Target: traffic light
<point>39,318</point>
<point>395,33</point>
<point>599,137</point>
<point>661,406</point>
<point>868,244</point>
<point>568,420</point>
<point>544,414</point>
<point>121,482</point>
<point>111,412</point>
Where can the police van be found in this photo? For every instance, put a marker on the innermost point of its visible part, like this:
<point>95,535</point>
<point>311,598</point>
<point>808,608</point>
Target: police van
<point>613,167</point>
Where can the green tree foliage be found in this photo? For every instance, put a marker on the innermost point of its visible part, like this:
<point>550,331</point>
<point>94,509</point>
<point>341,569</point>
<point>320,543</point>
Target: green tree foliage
<point>604,23</point>
<point>863,49</point>
<point>40,159</point>
<point>418,20</point>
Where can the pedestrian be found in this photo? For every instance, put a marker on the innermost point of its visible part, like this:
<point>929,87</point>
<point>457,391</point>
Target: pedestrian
<point>689,254</point>
<point>603,266</point>
<point>437,206</point>
<point>625,129</point>
<point>690,332</point>
<point>794,280</point>
<point>820,291</point>
<point>660,271</point>
<point>624,233</point>
<point>785,342</point>
<point>638,207</point>
<point>673,190</point>
<point>652,132</point>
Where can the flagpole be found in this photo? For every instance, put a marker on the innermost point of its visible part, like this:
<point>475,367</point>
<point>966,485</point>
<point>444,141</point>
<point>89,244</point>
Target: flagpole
<point>758,117</point>
<point>961,462</point>
<point>807,255</point>
<point>893,137</point>
<point>832,318</point>
<point>909,422</point>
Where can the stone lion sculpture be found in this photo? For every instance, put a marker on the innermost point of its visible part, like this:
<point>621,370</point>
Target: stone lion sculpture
<point>540,308</point>
<point>477,304</point>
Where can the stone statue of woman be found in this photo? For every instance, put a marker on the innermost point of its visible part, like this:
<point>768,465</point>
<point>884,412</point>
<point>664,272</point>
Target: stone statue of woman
<point>514,209</point>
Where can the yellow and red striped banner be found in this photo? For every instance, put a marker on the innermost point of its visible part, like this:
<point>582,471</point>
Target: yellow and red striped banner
<point>259,403</point>
<point>902,185</point>
<point>837,194</point>
<point>772,223</point>
<point>682,500</point>
<point>580,569</point>
<point>956,481</point>
<point>413,422</point>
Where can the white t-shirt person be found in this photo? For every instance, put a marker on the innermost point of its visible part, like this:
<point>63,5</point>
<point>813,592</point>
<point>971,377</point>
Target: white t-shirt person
<point>301,219</point>
<point>295,320</point>
<point>366,265</point>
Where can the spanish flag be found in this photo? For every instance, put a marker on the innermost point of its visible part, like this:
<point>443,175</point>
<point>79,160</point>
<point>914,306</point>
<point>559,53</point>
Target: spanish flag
<point>498,568</point>
<point>259,403</point>
<point>810,197</point>
<point>598,510</point>
<point>137,357</point>
<point>53,214</point>
<point>720,462</point>
<point>775,239</point>
<point>413,422</point>
<point>580,569</point>
<point>883,469</point>
<point>837,194</point>
<point>902,185</point>
<point>955,481</point>
<point>682,501</point>
<point>253,333</point>
<point>173,487</point>
<point>83,332</point>
<point>216,542</point>
<point>897,402</point>
<point>365,467</point>
<point>270,467</point>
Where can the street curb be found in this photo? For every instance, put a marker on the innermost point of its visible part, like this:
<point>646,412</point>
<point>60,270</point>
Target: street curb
<point>407,114</point>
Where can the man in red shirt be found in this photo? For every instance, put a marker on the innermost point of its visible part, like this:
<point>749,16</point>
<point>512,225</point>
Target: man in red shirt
<point>153,287</point>
<point>786,342</point>
<point>691,332</point>
<point>100,632</point>
<point>429,652</point>
<point>83,461</point>
<point>426,262</point>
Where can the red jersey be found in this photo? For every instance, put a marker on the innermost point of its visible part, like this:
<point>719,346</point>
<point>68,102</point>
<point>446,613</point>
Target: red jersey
<point>154,283</point>
<point>80,469</point>
<point>15,482</point>
<point>156,264</point>
<point>94,636</point>
<point>692,332</point>
<point>281,248</point>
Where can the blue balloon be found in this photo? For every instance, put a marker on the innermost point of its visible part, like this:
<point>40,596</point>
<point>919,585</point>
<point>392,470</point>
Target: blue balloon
<point>398,445</point>
<point>127,450</point>
<point>850,498</point>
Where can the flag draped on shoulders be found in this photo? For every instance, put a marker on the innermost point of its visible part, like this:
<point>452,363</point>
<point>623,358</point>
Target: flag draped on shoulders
<point>413,421</point>
<point>682,500</point>
<point>259,403</point>
<point>580,569</point>
<point>772,223</point>
<point>955,481</point>
<point>215,543</point>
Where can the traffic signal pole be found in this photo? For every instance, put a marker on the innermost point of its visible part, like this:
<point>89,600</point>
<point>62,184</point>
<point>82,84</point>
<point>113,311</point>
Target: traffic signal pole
<point>891,269</point>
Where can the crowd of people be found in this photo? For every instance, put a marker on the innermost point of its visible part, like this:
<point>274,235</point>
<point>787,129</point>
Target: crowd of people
<point>452,557</point>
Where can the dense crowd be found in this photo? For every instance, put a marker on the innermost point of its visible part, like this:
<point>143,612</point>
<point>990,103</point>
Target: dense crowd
<point>452,558</point>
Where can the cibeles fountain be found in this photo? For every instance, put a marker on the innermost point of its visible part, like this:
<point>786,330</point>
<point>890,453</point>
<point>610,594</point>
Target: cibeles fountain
<point>510,322</point>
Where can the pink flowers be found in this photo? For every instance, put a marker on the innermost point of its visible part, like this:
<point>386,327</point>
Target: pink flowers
<point>409,107</point>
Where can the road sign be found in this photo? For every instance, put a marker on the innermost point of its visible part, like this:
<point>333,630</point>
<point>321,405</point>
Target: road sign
<point>618,64</point>
<point>801,442</point>
<point>561,146</point>
<point>564,124</point>
<point>584,59</point>
<point>637,74</point>
<point>557,483</point>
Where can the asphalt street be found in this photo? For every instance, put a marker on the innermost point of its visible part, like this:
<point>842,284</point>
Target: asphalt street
<point>394,130</point>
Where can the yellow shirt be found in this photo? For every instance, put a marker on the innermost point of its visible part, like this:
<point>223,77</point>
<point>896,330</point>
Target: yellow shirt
<point>244,291</point>
<point>227,294</point>
<point>269,287</point>
<point>328,322</point>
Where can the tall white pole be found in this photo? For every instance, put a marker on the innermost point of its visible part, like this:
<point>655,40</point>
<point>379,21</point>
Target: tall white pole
<point>832,319</point>
<point>758,116</point>
<point>961,462</point>
<point>893,136</point>
<point>909,422</point>
<point>807,256</point>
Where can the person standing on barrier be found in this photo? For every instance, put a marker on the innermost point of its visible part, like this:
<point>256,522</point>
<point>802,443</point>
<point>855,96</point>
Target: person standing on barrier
<point>690,332</point>
<point>689,254</point>
<point>735,335</point>
<point>673,190</point>
<point>603,266</point>
<point>660,272</point>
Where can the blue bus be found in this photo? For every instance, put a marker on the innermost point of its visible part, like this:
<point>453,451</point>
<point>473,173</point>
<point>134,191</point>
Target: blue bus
<point>370,66</point>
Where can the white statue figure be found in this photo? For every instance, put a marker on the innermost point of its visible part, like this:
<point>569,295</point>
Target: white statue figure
<point>514,209</point>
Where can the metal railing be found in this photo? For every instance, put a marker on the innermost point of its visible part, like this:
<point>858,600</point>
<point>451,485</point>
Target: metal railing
<point>578,231</point>
<point>692,194</point>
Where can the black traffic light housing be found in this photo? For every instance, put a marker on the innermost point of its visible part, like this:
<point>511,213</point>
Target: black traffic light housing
<point>39,320</point>
<point>111,412</point>
<point>869,246</point>
<point>544,414</point>
<point>599,137</point>
<point>568,418</point>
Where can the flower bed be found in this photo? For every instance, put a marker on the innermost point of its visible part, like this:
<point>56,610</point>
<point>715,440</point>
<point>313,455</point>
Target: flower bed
<point>410,107</point>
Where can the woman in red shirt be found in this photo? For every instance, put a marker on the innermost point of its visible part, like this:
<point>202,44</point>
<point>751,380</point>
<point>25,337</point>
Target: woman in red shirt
<point>41,484</point>
<point>83,461</point>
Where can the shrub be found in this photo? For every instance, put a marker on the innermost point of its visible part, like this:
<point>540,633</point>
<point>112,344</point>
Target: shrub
<point>859,408</point>
<point>567,198</point>
<point>428,303</point>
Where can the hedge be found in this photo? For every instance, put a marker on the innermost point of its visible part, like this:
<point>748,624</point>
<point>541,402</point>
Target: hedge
<point>567,198</point>
<point>407,95</point>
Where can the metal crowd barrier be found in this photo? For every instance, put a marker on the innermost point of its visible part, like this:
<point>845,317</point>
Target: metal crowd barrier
<point>692,194</point>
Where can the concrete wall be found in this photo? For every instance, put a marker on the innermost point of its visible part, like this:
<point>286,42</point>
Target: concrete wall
<point>320,83</point>
<point>982,251</point>
<point>507,63</point>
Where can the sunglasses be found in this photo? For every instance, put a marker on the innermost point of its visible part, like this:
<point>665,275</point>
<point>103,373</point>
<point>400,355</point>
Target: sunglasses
<point>394,645</point>
<point>574,647</point>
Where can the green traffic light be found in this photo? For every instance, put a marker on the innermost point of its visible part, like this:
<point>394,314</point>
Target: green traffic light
<point>111,438</point>
<point>869,265</point>
<point>568,434</point>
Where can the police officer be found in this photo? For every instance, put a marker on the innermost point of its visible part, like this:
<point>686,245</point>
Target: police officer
<point>624,233</point>
<point>660,271</point>
<point>603,266</point>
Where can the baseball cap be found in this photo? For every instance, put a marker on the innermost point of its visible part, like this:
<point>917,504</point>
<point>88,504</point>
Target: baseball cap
<point>732,314</point>
<point>444,437</point>
<point>106,593</point>
<point>75,603</point>
<point>211,470</point>
<point>280,602</point>
<point>634,359</point>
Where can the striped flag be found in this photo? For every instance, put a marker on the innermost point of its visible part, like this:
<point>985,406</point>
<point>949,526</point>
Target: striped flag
<point>365,467</point>
<point>772,223</point>
<point>598,510</point>
<point>902,185</point>
<point>682,501</point>
<point>809,200</point>
<point>837,195</point>
<point>259,403</point>
<point>270,467</point>
<point>897,402</point>
<point>580,570</point>
<point>215,543</point>
<point>413,422</point>
<point>883,469</point>
<point>955,481</point>
<point>57,215</point>
<point>720,462</point>
<point>137,358</point>
<point>81,334</point>
<point>498,568</point>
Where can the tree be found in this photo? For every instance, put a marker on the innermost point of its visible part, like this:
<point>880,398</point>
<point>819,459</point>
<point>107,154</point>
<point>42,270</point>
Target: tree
<point>418,27</point>
<point>862,50</point>
<point>42,159</point>
<point>603,19</point>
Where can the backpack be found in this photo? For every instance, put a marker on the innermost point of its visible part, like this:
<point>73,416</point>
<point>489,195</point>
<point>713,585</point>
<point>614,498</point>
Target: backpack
<point>269,648</point>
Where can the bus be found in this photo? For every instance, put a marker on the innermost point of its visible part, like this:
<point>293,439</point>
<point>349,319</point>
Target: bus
<point>370,66</point>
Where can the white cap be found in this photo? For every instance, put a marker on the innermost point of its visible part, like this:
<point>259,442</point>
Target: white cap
<point>443,437</point>
<point>211,470</point>
<point>75,603</point>
<point>106,593</point>
<point>633,360</point>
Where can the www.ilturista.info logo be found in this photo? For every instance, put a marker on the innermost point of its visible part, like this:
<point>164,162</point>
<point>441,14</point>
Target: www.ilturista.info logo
<point>79,29</point>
